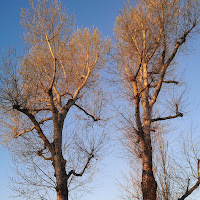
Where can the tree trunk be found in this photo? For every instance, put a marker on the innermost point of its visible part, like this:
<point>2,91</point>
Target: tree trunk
<point>58,161</point>
<point>62,195</point>
<point>60,170</point>
<point>149,185</point>
<point>61,178</point>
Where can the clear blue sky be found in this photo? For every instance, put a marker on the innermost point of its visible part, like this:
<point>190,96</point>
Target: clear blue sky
<point>100,14</point>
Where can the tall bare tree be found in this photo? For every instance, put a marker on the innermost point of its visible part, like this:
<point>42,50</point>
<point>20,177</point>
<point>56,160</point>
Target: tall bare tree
<point>55,82</point>
<point>149,36</point>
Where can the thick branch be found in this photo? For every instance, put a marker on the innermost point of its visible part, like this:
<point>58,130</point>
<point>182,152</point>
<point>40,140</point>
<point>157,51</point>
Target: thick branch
<point>94,118</point>
<point>89,68</point>
<point>82,85</point>
<point>37,126</point>
<point>154,50</point>
<point>137,109</point>
<point>188,192</point>
<point>54,58</point>
<point>179,43</point>
<point>49,45</point>
<point>166,65</point>
<point>135,44</point>
<point>53,107</point>
<point>63,69</point>
<point>166,118</point>
<point>54,74</point>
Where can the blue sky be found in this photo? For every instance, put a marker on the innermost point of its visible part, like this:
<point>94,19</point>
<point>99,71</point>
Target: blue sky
<point>88,13</point>
<point>100,14</point>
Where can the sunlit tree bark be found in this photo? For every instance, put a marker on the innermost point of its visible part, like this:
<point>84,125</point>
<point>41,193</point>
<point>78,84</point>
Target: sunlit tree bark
<point>57,75</point>
<point>149,36</point>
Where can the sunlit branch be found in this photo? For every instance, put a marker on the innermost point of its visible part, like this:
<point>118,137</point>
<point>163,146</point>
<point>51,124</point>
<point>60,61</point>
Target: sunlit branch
<point>188,192</point>
<point>154,50</point>
<point>36,124</point>
<point>63,69</point>
<point>54,74</point>
<point>54,58</point>
<point>75,96</point>
<point>179,43</point>
<point>49,45</point>
<point>58,98</point>
<point>28,130</point>
<point>40,153</point>
<point>134,41</point>
<point>133,78</point>
<point>40,109</point>
<point>137,108</point>
<point>166,65</point>
<point>137,95</point>
<point>135,44</point>
<point>54,99</point>
<point>45,157</point>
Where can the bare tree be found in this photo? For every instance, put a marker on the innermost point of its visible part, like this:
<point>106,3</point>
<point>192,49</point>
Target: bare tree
<point>55,85</point>
<point>176,167</point>
<point>149,36</point>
